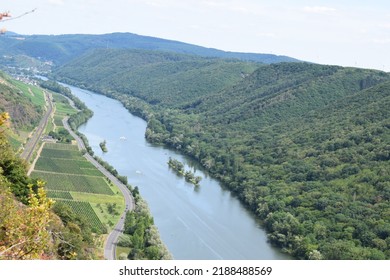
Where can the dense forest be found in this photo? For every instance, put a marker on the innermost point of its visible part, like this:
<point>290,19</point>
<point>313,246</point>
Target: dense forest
<point>305,147</point>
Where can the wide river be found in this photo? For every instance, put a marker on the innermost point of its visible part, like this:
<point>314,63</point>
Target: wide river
<point>206,222</point>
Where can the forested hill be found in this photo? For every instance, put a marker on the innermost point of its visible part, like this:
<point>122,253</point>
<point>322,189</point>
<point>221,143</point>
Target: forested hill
<point>306,147</point>
<point>164,78</point>
<point>62,48</point>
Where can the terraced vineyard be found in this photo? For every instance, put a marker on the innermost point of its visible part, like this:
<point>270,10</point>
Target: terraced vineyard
<point>74,181</point>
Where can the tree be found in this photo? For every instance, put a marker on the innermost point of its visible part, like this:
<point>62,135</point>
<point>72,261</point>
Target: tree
<point>4,117</point>
<point>23,229</point>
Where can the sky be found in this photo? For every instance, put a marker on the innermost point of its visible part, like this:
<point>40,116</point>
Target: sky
<point>338,32</point>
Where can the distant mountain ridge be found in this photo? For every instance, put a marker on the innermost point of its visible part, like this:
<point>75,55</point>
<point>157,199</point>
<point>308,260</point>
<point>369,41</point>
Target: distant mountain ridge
<point>63,48</point>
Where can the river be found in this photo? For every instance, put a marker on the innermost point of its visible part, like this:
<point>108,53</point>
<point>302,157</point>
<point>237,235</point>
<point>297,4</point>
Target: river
<point>206,222</point>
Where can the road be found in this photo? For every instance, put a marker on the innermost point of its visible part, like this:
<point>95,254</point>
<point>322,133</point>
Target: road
<point>112,239</point>
<point>33,141</point>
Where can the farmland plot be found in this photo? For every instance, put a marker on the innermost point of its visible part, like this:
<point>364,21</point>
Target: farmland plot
<point>74,183</point>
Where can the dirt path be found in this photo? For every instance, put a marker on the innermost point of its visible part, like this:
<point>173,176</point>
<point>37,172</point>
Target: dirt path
<point>31,169</point>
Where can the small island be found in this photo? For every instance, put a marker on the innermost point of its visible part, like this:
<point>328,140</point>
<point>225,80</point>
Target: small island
<point>188,175</point>
<point>103,146</point>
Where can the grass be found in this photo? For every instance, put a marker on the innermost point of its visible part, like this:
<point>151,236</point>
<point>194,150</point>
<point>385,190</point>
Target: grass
<point>97,198</point>
<point>64,109</point>
<point>121,250</point>
<point>58,120</point>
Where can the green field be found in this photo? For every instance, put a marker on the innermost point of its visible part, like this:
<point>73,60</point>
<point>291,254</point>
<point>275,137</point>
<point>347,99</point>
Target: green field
<point>59,194</point>
<point>60,154</point>
<point>67,165</point>
<point>63,107</point>
<point>60,146</point>
<point>74,181</point>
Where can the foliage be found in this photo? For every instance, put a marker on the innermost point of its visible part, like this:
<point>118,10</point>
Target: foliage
<point>163,78</point>
<point>103,146</point>
<point>23,229</point>
<point>74,237</point>
<point>179,169</point>
<point>141,235</point>
<point>83,209</point>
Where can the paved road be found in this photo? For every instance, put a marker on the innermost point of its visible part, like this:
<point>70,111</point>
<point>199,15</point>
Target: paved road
<point>112,239</point>
<point>33,141</point>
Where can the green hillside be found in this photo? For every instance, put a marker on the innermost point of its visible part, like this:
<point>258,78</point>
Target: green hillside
<point>25,105</point>
<point>305,146</point>
<point>167,79</point>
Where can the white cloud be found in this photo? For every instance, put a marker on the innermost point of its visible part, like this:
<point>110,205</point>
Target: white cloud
<point>319,10</point>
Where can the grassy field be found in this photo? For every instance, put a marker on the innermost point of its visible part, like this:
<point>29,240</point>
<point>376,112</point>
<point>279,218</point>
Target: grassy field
<point>62,108</point>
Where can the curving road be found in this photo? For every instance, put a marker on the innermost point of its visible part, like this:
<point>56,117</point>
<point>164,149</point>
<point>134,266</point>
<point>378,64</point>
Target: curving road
<point>112,239</point>
<point>33,141</point>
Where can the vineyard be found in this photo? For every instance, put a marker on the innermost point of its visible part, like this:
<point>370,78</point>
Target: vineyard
<point>74,181</point>
<point>60,146</point>
<point>67,165</point>
<point>85,210</point>
<point>55,153</point>
<point>59,194</point>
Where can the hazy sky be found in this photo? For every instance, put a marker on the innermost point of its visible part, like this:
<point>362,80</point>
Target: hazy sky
<point>341,32</point>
